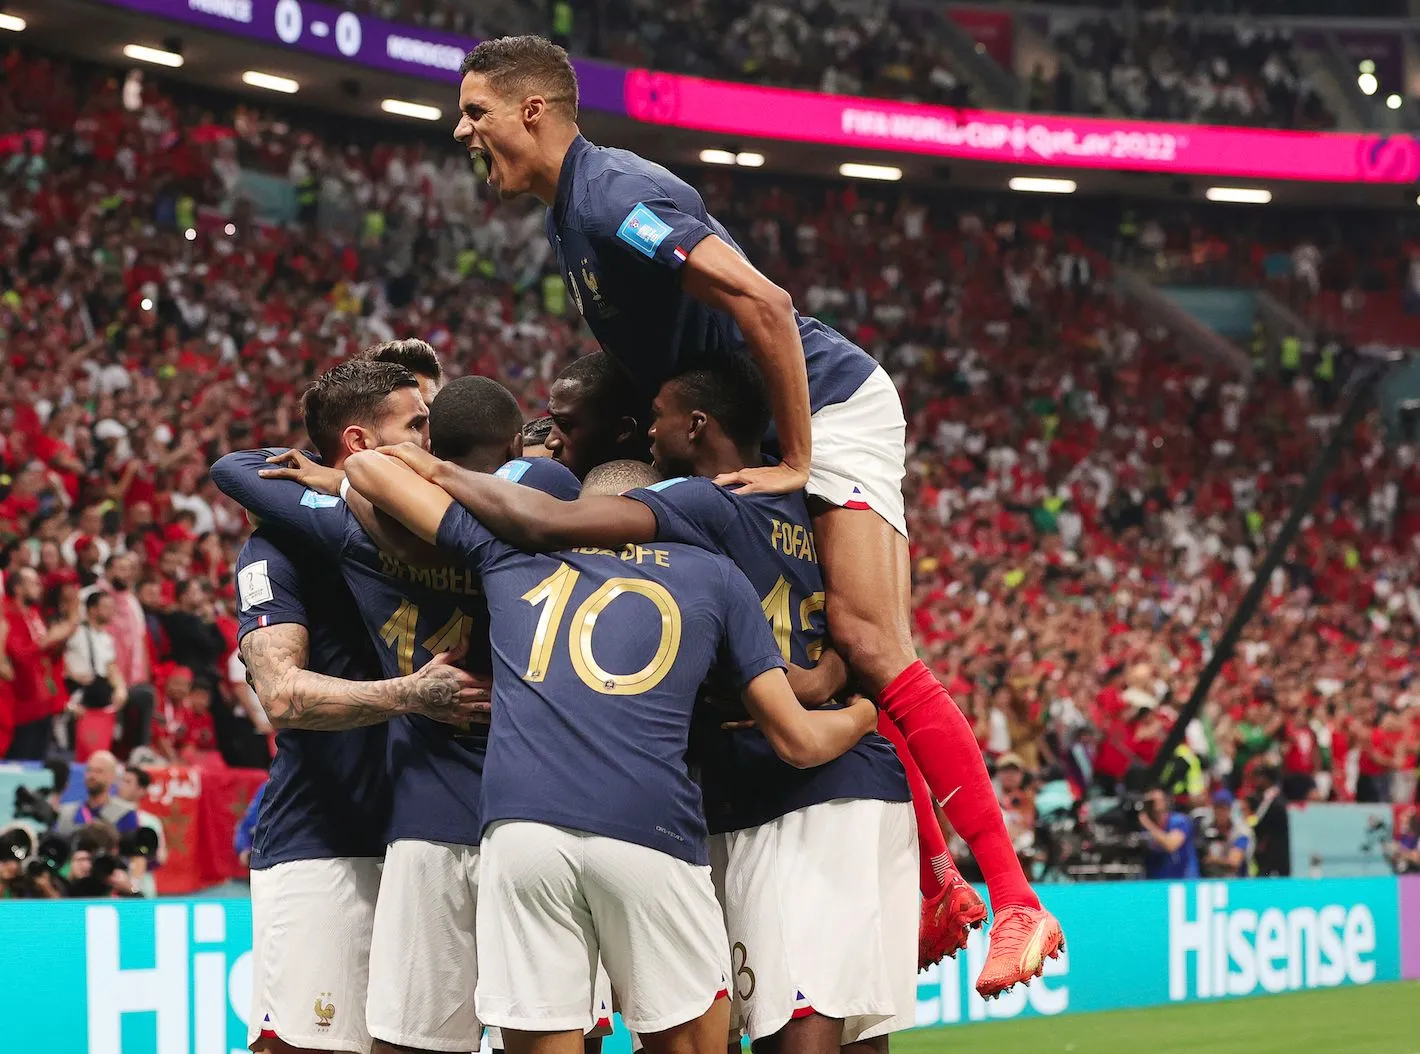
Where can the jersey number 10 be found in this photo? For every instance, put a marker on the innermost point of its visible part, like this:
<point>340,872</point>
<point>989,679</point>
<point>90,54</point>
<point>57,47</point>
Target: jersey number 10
<point>553,594</point>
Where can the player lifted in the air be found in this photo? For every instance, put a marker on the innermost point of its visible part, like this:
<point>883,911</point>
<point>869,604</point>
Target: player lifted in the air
<point>660,281</point>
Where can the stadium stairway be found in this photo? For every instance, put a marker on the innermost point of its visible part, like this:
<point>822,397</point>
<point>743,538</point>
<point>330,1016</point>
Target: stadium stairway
<point>1195,318</point>
<point>1033,44</point>
<point>1334,78</point>
<point>992,86</point>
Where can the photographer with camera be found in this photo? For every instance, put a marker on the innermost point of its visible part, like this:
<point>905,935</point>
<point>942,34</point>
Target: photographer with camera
<point>27,870</point>
<point>1227,842</point>
<point>101,804</point>
<point>1172,851</point>
<point>1404,852</point>
<point>133,788</point>
<point>98,866</point>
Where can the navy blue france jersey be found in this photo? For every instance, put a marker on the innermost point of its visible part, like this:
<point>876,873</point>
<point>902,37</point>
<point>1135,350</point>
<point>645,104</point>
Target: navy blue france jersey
<point>598,658</point>
<point>328,794</point>
<point>622,227</point>
<point>410,614</point>
<point>770,539</point>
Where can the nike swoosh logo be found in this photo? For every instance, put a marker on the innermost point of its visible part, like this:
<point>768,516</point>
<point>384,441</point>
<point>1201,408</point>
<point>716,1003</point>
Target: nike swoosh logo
<point>942,803</point>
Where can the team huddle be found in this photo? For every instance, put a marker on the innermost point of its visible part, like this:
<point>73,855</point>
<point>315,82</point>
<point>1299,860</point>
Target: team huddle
<point>586,712</point>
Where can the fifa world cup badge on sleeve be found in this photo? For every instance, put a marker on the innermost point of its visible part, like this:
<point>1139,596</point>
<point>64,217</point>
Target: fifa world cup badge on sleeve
<point>315,500</point>
<point>643,230</point>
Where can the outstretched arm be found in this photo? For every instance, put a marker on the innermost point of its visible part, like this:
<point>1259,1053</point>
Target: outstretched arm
<point>535,521</point>
<point>294,697</point>
<point>718,276</point>
<point>805,738</point>
<point>530,518</point>
<point>390,536</point>
<point>394,488</point>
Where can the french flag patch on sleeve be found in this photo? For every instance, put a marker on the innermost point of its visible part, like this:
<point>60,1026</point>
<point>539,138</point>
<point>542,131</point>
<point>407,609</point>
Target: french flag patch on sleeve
<point>679,253</point>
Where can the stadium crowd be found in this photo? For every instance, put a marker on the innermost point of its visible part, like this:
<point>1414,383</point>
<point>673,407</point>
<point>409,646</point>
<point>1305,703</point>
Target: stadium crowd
<point>1086,504</point>
<point>1156,62</point>
<point>1161,67</point>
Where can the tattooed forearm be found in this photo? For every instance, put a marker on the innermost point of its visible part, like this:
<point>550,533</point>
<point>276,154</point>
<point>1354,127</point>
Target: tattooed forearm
<point>297,698</point>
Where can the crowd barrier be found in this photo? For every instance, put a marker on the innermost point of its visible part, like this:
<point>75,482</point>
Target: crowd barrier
<point>174,976</point>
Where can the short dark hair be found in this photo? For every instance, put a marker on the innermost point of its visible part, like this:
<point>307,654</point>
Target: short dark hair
<point>535,433</point>
<point>617,477</point>
<point>730,390</point>
<point>415,355</point>
<point>614,390</point>
<point>350,393</point>
<point>526,65</point>
<point>471,414</point>
<point>143,777</point>
<point>94,599</point>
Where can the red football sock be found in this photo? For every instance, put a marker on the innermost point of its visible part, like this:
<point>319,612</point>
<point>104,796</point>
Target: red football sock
<point>932,854</point>
<point>943,745</point>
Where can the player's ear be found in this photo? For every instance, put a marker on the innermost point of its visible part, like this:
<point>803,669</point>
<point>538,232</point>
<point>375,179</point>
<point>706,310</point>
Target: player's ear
<point>354,439</point>
<point>699,421</point>
<point>515,447</point>
<point>534,106</point>
<point>627,429</point>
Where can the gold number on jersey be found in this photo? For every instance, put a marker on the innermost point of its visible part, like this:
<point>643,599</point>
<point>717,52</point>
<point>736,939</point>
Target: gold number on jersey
<point>808,608</point>
<point>740,952</point>
<point>776,610</point>
<point>452,634</point>
<point>554,592</point>
<point>401,631</point>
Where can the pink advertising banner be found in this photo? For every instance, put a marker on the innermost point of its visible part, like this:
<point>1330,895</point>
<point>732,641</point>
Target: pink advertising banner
<point>1410,927</point>
<point>1020,138</point>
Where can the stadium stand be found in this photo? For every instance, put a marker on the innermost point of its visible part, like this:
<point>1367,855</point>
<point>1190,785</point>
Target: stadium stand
<point>1087,501</point>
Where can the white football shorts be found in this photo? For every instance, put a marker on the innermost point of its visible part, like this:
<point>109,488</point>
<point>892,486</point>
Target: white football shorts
<point>311,926</point>
<point>822,909</point>
<point>860,451</point>
<point>554,900</point>
<point>423,958</point>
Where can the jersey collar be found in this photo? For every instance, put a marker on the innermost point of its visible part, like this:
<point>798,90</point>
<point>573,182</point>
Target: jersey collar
<point>567,176</point>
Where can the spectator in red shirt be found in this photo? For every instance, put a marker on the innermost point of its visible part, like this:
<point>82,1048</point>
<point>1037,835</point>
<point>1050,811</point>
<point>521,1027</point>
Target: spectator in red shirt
<point>7,690</point>
<point>1301,754</point>
<point>27,645</point>
<point>1382,753</point>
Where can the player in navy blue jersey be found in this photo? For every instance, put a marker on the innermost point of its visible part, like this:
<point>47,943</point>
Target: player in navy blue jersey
<point>415,355</point>
<point>596,416</point>
<point>596,841</point>
<point>423,959</point>
<point>660,282</point>
<point>793,848</point>
<point>319,837</point>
